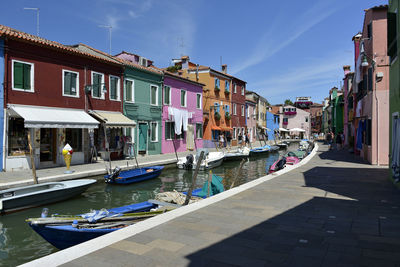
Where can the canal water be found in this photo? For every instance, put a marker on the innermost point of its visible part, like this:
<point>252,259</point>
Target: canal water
<point>20,244</point>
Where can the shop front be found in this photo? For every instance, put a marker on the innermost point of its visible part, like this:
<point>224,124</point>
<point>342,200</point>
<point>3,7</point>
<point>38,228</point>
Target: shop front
<point>49,130</point>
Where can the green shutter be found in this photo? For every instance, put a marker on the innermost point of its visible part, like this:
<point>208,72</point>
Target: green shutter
<point>113,89</point>
<point>67,83</point>
<point>27,77</point>
<point>153,95</point>
<point>128,90</point>
<point>96,84</point>
<point>18,75</point>
<point>74,84</point>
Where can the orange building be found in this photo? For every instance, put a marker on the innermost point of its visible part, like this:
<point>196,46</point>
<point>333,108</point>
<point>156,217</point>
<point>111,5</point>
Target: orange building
<point>216,98</point>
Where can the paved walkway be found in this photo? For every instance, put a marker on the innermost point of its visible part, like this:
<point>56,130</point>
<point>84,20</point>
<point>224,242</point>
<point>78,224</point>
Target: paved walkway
<point>334,210</point>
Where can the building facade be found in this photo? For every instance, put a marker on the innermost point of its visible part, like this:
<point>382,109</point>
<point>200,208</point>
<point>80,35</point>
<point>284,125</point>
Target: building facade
<point>293,119</point>
<point>238,108</point>
<point>272,124</point>
<point>251,120</point>
<point>2,103</point>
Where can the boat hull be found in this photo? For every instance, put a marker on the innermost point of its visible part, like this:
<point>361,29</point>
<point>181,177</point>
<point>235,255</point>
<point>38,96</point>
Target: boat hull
<point>135,175</point>
<point>212,161</point>
<point>41,194</point>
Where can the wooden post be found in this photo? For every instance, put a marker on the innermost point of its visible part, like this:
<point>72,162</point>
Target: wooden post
<point>238,173</point>
<point>35,180</point>
<point>173,143</point>
<point>134,153</point>
<point>107,148</point>
<point>196,171</point>
<point>209,183</point>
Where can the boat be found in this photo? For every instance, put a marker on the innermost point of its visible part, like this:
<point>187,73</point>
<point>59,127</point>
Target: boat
<point>300,154</point>
<point>216,188</point>
<point>237,154</point>
<point>134,175</point>
<point>64,231</point>
<point>304,145</point>
<point>274,148</point>
<point>281,163</point>
<point>282,145</point>
<point>259,150</point>
<point>24,197</point>
<point>210,160</point>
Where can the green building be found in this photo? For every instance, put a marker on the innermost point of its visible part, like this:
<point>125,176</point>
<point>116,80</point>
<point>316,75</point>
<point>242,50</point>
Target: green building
<point>394,89</point>
<point>143,102</point>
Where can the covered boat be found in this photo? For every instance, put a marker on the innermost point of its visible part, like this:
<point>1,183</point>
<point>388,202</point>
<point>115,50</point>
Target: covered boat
<point>24,197</point>
<point>260,150</point>
<point>237,154</point>
<point>132,176</point>
<point>297,153</point>
<point>216,188</point>
<point>66,230</point>
<point>210,160</point>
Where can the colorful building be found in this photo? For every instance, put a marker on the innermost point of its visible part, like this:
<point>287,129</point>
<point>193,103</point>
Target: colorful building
<point>143,102</point>
<point>2,103</point>
<point>238,107</point>
<point>251,120</point>
<point>272,124</point>
<point>295,120</point>
<point>394,92</point>
<point>261,109</point>
<point>216,98</point>
<point>182,101</point>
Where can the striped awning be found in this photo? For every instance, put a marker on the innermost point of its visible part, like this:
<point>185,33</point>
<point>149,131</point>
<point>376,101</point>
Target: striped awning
<point>112,119</point>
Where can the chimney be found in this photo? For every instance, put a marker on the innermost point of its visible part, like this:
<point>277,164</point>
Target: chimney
<point>357,39</point>
<point>346,69</point>
<point>224,68</point>
<point>185,62</point>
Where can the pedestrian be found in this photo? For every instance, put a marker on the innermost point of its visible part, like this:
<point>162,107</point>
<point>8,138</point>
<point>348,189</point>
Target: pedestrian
<point>329,140</point>
<point>228,139</point>
<point>221,140</point>
<point>247,139</point>
<point>339,141</point>
<point>240,139</point>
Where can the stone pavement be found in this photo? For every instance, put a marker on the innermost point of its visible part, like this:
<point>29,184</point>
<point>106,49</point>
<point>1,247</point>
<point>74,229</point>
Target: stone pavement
<point>333,211</point>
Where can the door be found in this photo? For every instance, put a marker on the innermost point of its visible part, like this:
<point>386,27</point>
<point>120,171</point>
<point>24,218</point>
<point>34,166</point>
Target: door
<point>48,145</point>
<point>143,129</point>
<point>190,137</point>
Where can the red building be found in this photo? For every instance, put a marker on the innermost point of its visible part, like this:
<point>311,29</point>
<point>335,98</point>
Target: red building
<point>49,90</point>
<point>238,107</point>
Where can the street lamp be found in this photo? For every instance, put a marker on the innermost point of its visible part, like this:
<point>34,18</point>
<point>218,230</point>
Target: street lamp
<point>37,17</point>
<point>109,27</point>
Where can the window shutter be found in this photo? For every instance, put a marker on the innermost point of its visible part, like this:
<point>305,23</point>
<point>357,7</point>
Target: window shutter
<point>365,83</point>
<point>74,84</point>
<point>370,79</point>
<point>113,89</point>
<point>27,76</point>
<point>67,83</point>
<point>18,75</point>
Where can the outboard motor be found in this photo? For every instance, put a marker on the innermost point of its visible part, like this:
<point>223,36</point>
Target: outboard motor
<point>281,164</point>
<point>188,165</point>
<point>114,174</point>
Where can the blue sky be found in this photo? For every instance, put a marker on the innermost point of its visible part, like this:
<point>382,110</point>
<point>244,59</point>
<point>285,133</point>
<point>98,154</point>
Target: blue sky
<point>283,49</point>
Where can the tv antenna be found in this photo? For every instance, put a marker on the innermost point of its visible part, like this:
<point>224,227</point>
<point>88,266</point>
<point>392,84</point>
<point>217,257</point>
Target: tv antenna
<point>37,17</point>
<point>109,27</point>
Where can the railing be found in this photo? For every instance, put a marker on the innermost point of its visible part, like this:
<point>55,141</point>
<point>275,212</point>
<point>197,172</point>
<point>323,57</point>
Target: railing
<point>290,112</point>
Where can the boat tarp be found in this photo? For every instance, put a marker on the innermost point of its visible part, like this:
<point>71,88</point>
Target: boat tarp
<point>216,187</point>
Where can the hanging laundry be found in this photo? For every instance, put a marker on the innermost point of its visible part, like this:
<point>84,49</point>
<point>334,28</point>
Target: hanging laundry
<point>178,121</point>
<point>360,130</point>
<point>185,118</point>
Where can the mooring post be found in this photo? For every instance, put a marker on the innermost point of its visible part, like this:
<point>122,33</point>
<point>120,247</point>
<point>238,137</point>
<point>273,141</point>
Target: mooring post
<point>196,171</point>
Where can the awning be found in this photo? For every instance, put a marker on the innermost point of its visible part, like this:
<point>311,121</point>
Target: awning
<point>297,130</point>
<point>112,119</point>
<point>283,130</point>
<point>48,117</point>
<point>226,129</point>
<point>216,128</point>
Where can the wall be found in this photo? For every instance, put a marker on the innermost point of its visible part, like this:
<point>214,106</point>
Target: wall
<point>251,121</point>
<point>191,92</point>
<point>272,124</point>
<point>238,120</point>
<point>2,150</point>
<point>298,121</point>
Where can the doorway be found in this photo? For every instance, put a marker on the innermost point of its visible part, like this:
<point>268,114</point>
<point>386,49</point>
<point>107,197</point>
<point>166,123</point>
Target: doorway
<point>142,136</point>
<point>48,141</point>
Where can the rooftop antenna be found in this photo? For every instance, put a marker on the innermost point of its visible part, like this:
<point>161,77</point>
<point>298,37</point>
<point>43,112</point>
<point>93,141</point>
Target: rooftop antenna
<point>109,27</point>
<point>181,44</point>
<point>37,17</point>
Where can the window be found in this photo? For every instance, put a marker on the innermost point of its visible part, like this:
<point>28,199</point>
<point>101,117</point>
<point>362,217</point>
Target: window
<point>242,110</point>
<point>369,30</point>
<point>234,108</point>
<point>227,86</point>
<point>368,135</point>
<point>97,85</point>
<point>234,88</point>
<point>199,130</point>
<point>153,95</point>
<point>70,80</point>
<point>153,131</point>
<point>183,98</point>
<point>198,101</point>
<point>114,88</point>
<point>74,138</point>
<point>306,119</point>
<point>216,107</point>
<point>17,137</point>
<point>167,95</point>
<point>129,91</point>
<point>227,108</point>
<point>216,81</point>
<point>23,76</point>
<point>234,133</point>
<point>392,35</point>
<point>169,130</point>
<point>242,90</point>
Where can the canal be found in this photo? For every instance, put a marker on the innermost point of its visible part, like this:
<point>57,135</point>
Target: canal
<point>20,244</point>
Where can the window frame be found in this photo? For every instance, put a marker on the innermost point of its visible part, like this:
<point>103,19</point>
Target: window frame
<point>156,86</point>
<point>132,92</point>
<point>151,131</point>
<point>242,110</point>
<point>200,102</point>
<point>201,130</point>
<point>242,92</point>
<point>32,90</point>
<point>227,85</point>
<point>103,77</point>
<point>118,87</point>
<point>169,95</point>
<point>171,131</point>
<point>77,83</point>
<point>234,109</point>
<point>185,98</point>
<point>234,88</point>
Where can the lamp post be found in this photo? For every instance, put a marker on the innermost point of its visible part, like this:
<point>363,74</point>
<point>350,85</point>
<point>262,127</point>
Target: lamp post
<point>37,17</point>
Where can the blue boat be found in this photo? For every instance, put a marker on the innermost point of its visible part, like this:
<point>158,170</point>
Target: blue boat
<point>260,150</point>
<point>66,231</point>
<point>132,176</point>
<point>216,187</point>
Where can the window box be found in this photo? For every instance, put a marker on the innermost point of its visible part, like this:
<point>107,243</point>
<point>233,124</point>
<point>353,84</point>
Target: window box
<point>290,112</point>
<point>226,91</point>
<point>217,88</point>
<point>227,116</point>
<point>217,116</point>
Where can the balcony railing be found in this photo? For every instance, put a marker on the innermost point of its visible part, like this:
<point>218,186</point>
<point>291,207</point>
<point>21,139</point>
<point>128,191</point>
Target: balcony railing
<point>290,113</point>
<point>285,122</point>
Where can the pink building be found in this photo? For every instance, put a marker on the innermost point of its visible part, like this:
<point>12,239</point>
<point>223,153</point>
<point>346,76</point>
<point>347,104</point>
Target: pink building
<point>182,101</point>
<point>372,90</point>
<point>251,119</point>
<point>292,118</point>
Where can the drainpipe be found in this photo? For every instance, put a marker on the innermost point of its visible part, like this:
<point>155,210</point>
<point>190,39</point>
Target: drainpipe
<point>377,119</point>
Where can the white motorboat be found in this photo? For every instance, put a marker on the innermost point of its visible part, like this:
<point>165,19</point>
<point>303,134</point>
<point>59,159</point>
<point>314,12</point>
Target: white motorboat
<point>237,154</point>
<point>210,160</point>
<point>24,197</point>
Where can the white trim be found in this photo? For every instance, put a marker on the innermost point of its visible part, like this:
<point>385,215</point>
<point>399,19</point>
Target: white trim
<point>32,76</point>
<point>133,90</point>
<point>77,83</point>
<point>151,85</point>
<point>234,109</point>
<point>201,128</point>
<point>168,96</point>
<point>151,131</point>
<point>118,88</point>
<point>201,100</point>
<point>165,127</point>
<point>180,99</point>
<point>101,88</point>
<point>242,110</point>
<point>242,92</point>
<point>234,88</point>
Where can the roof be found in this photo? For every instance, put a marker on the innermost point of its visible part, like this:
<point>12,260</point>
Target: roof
<point>377,7</point>
<point>36,40</point>
<point>275,109</point>
<point>173,75</point>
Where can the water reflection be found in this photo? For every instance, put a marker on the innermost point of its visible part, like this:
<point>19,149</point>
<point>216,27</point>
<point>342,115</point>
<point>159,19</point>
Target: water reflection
<point>20,244</point>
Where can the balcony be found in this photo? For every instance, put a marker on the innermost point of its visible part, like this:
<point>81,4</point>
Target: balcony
<point>290,113</point>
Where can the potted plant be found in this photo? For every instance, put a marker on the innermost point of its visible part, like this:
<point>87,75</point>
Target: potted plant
<point>227,116</point>
<point>216,88</point>
<point>217,116</point>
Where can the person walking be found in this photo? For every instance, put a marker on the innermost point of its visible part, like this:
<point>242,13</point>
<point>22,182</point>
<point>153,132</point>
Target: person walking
<point>240,137</point>
<point>339,141</point>
<point>228,140</point>
<point>247,139</point>
<point>329,140</point>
